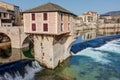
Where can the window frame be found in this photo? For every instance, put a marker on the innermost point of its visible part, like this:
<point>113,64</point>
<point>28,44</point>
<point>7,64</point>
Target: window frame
<point>33,16</point>
<point>33,27</point>
<point>62,27</point>
<point>45,16</point>
<point>68,26</point>
<point>62,17</point>
<point>45,27</point>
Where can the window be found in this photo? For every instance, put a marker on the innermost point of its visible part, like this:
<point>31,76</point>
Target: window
<point>68,17</point>
<point>61,17</point>
<point>68,26</point>
<point>33,27</point>
<point>5,15</point>
<point>45,27</point>
<point>45,16</point>
<point>0,15</point>
<point>62,27</point>
<point>33,16</point>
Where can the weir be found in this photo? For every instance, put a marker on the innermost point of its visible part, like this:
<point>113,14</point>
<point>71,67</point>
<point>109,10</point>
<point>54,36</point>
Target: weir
<point>97,42</point>
<point>19,70</point>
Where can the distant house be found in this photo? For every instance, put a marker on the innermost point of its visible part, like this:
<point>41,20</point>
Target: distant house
<point>10,12</point>
<point>5,19</point>
<point>48,19</point>
<point>90,17</point>
<point>110,19</point>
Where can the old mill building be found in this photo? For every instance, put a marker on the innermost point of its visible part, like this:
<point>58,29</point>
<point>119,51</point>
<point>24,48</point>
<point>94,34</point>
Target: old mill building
<point>52,27</point>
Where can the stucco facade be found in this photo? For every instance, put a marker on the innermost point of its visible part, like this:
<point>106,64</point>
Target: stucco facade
<point>54,23</point>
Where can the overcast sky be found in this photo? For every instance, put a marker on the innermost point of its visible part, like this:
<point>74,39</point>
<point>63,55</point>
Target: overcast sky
<point>75,6</point>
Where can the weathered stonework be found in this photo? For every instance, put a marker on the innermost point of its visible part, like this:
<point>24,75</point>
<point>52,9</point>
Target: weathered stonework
<point>16,35</point>
<point>51,50</point>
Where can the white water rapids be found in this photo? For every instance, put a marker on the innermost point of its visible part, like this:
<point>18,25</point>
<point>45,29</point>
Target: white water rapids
<point>29,73</point>
<point>99,54</point>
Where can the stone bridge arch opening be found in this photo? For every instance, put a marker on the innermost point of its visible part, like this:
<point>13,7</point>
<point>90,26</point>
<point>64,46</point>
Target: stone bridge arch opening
<point>69,48</point>
<point>75,40</point>
<point>28,46</point>
<point>5,46</point>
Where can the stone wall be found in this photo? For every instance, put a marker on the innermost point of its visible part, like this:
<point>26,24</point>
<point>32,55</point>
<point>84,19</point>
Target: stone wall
<point>16,35</point>
<point>43,47</point>
<point>51,50</point>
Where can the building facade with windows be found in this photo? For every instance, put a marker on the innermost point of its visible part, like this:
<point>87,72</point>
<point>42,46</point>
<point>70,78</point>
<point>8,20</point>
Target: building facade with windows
<point>10,11</point>
<point>52,27</point>
<point>5,19</point>
<point>90,17</point>
<point>48,19</point>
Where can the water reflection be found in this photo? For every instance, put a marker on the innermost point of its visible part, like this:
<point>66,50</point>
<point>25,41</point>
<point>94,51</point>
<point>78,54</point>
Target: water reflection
<point>88,66</point>
<point>62,72</point>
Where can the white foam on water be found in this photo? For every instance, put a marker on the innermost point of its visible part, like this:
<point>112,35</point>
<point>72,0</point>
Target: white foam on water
<point>96,53</point>
<point>111,46</point>
<point>29,75</point>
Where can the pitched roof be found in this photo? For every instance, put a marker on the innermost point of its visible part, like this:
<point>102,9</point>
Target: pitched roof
<point>89,13</point>
<point>48,7</point>
<point>2,9</point>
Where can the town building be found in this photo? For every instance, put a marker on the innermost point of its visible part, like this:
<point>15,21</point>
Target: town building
<point>90,17</point>
<point>48,19</point>
<point>52,27</point>
<point>5,19</point>
<point>8,13</point>
<point>110,19</point>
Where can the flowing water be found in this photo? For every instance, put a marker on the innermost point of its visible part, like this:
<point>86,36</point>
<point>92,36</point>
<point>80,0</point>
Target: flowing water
<point>19,70</point>
<point>101,63</point>
<point>91,63</point>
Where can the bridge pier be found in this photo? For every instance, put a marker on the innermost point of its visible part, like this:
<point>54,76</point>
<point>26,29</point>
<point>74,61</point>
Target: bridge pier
<point>51,50</point>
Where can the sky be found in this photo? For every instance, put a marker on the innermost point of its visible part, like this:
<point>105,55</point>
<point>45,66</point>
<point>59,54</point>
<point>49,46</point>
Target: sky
<point>75,6</point>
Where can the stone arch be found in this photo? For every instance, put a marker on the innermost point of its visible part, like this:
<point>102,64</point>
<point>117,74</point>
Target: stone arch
<point>74,41</point>
<point>4,35</point>
<point>27,46</point>
<point>69,47</point>
<point>5,45</point>
<point>23,38</point>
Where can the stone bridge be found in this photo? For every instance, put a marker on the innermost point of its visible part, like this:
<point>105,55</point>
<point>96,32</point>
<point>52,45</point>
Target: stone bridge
<point>16,35</point>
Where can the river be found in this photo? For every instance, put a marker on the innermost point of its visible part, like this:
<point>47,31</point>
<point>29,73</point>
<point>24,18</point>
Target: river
<point>100,63</point>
